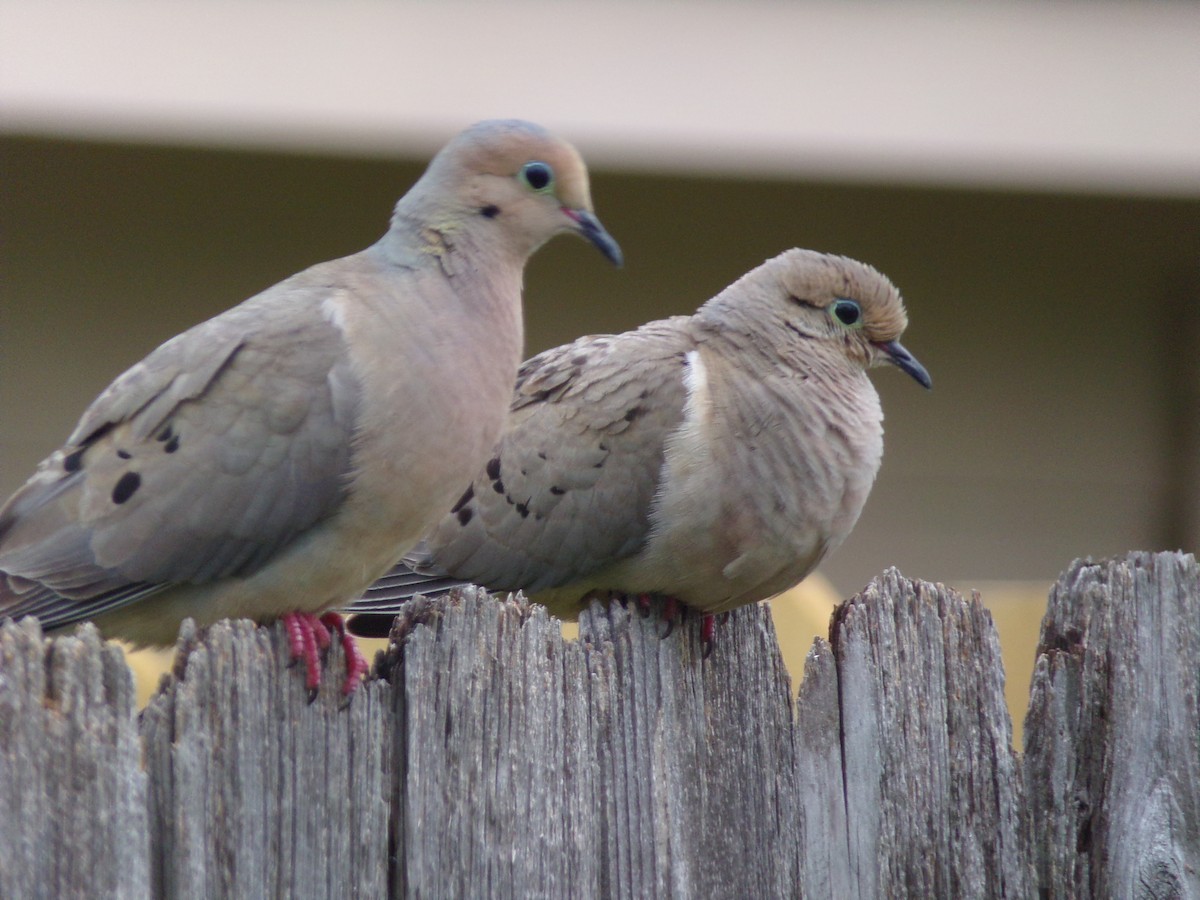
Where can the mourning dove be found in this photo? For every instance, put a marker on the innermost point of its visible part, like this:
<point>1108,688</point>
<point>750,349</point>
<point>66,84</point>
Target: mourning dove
<point>713,459</point>
<point>278,458</point>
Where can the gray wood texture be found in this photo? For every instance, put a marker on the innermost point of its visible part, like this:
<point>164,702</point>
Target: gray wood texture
<point>933,796</point>
<point>621,765</point>
<point>73,819</point>
<point>255,792</point>
<point>1112,737</point>
<point>489,757</point>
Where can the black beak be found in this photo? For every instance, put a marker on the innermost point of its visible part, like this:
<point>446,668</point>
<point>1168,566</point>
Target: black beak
<point>590,228</point>
<point>905,361</point>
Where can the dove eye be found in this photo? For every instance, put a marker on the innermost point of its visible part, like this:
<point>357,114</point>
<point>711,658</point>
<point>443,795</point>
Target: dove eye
<point>848,313</point>
<point>538,175</point>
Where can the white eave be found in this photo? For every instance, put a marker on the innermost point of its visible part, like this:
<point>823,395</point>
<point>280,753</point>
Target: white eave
<point>1049,96</point>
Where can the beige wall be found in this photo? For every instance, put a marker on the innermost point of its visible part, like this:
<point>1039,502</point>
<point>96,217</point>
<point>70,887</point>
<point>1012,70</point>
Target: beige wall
<point>1044,320</point>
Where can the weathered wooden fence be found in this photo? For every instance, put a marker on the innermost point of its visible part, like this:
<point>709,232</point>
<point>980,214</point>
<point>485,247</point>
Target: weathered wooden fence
<point>492,758</point>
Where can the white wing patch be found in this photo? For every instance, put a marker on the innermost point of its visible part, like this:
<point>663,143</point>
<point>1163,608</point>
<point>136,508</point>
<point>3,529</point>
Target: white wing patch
<point>697,413</point>
<point>688,502</point>
<point>334,312</point>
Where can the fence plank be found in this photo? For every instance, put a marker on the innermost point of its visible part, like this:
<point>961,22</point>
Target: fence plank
<point>931,781</point>
<point>480,697</point>
<point>72,791</point>
<point>255,791</point>
<point>1112,760</point>
<point>824,852</point>
<point>621,765</point>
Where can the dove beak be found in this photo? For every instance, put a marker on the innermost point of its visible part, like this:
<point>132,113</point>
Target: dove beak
<point>905,361</point>
<point>589,226</point>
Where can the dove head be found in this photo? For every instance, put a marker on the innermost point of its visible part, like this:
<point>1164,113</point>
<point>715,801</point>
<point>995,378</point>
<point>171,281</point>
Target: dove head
<point>825,305</point>
<point>511,183</point>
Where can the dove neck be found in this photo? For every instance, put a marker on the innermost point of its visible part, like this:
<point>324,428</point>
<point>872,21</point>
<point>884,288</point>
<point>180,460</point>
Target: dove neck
<point>423,232</point>
<point>484,281</point>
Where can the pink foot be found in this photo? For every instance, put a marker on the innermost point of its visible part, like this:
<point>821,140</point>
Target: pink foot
<point>309,635</point>
<point>356,663</point>
<point>708,631</point>
<point>670,613</point>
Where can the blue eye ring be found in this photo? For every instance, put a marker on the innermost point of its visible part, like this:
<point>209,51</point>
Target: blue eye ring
<point>538,176</point>
<point>847,312</point>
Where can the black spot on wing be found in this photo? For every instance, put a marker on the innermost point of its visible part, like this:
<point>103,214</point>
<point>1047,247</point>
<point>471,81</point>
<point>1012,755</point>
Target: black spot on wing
<point>73,462</point>
<point>172,445</point>
<point>522,510</point>
<point>490,211</point>
<point>126,487</point>
<point>461,510</point>
<point>556,490</point>
<point>165,435</point>
<point>493,472</point>
<point>124,454</point>
<point>633,413</point>
<point>466,498</point>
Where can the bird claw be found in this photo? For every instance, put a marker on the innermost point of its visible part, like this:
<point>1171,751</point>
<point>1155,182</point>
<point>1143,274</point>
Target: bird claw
<point>302,642</point>
<point>356,664</point>
<point>708,631</point>
<point>309,636</point>
<point>670,612</point>
<point>321,632</point>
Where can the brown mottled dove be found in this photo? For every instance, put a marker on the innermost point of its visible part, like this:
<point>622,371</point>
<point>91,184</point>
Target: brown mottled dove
<point>278,458</point>
<point>713,459</point>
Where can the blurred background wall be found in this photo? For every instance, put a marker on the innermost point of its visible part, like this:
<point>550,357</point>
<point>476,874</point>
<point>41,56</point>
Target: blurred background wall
<point>1027,174</point>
